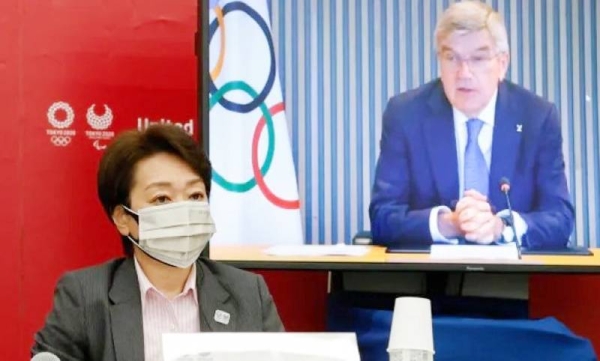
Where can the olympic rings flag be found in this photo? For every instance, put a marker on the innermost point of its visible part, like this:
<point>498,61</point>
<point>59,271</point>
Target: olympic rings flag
<point>254,198</point>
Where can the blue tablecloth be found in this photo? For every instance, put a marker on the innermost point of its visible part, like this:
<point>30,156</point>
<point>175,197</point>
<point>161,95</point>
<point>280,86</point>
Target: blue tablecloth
<point>460,338</point>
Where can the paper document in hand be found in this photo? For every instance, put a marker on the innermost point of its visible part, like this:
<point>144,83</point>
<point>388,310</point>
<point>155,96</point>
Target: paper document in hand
<point>265,346</point>
<point>317,250</point>
<point>467,251</point>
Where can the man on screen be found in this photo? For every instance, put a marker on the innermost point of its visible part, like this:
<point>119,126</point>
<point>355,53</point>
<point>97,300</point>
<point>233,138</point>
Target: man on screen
<point>446,145</point>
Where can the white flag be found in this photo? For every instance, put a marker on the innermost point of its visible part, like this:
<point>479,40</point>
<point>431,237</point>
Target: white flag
<point>254,196</point>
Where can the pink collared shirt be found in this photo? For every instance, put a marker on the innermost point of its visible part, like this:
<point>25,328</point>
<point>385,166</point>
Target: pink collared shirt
<point>161,315</point>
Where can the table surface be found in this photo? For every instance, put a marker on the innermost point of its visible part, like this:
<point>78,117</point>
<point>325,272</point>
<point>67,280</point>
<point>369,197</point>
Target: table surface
<point>376,259</point>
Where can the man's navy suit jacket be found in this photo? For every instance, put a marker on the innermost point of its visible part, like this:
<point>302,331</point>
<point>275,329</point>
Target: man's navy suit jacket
<point>417,167</point>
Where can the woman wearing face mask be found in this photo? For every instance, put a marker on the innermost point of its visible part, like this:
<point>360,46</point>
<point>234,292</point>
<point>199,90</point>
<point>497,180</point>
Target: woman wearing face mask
<point>154,186</point>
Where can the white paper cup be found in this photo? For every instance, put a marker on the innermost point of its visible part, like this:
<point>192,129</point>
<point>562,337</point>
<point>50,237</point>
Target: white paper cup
<point>411,355</point>
<point>411,325</point>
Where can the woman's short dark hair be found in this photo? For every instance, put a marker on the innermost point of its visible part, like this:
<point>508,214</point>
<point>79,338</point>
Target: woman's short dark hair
<point>118,163</point>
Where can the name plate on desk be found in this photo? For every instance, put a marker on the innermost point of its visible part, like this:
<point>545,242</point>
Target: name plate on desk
<point>264,346</point>
<point>467,251</point>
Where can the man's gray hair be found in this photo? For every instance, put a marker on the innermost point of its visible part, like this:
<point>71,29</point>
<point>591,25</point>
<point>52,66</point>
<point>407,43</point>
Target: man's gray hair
<point>469,16</point>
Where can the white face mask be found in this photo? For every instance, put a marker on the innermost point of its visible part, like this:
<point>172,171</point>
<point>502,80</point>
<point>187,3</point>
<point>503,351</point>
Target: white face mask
<point>174,233</point>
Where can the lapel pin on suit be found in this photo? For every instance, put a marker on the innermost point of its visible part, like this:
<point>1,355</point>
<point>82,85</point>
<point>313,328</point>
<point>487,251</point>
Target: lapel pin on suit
<point>519,128</point>
<point>222,317</point>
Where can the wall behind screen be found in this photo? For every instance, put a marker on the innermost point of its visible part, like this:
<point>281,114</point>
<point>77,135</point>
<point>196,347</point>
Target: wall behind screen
<point>340,60</point>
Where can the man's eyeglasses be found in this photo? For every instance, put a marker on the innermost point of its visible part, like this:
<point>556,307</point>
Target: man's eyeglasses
<point>475,62</point>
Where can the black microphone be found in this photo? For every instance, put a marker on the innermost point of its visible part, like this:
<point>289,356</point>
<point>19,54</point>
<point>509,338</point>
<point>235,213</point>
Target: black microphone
<point>505,188</point>
<point>45,356</point>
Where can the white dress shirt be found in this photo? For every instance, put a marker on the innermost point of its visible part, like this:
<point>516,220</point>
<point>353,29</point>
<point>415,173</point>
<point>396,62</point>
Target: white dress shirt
<point>485,140</point>
<point>163,315</point>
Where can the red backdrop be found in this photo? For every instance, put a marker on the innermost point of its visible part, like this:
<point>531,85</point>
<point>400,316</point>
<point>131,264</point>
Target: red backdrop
<point>137,57</point>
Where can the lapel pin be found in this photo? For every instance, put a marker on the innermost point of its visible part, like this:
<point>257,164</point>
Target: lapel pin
<point>222,317</point>
<point>519,128</point>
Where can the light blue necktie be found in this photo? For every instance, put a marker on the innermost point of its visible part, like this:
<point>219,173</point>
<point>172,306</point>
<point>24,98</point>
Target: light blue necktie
<point>476,171</point>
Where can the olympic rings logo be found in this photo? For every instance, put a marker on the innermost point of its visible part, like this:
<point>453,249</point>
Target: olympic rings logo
<point>216,71</point>
<point>217,96</point>
<point>60,141</point>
